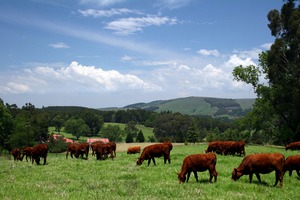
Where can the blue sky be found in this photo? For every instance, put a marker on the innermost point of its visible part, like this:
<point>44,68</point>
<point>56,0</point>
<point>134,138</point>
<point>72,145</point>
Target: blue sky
<point>111,53</point>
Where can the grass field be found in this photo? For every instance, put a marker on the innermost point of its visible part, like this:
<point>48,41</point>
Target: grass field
<point>122,179</point>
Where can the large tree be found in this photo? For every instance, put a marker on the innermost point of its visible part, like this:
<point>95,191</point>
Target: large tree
<point>279,98</point>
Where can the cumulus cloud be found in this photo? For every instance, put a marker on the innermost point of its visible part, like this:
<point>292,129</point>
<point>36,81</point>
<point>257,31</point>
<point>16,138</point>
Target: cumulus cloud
<point>73,77</point>
<point>235,60</point>
<point>107,13</point>
<point>206,52</point>
<point>59,45</point>
<point>127,26</point>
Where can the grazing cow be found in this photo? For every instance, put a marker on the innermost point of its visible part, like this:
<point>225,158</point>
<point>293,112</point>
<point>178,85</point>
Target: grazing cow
<point>39,150</point>
<point>227,147</point>
<point>292,163</point>
<point>16,152</point>
<point>293,146</point>
<point>102,150</point>
<point>73,149</point>
<point>84,149</point>
<point>113,148</point>
<point>27,151</point>
<point>260,163</point>
<point>94,145</point>
<point>215,146</point>
<point>155,150</point>
<point>198,163</point>
<point>134,149</point>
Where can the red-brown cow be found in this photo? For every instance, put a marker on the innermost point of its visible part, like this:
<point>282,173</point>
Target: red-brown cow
<point>112,149</point>
<point>73,150</point>
<point>292,163</point>
<point>16,152</point>
<point>84,149</point>
<point>39,150</point>
<point>293,146</point>
<point>198,163</point>
<point>215,146</point>
<point>261,164</point>
<point>94,145</point>
<point>134,149</point>
<point>155,150</point>
<point>27,151</point>
<point>102,150</point>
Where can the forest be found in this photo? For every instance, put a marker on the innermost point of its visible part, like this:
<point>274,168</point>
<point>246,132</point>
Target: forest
<point>274,119</point>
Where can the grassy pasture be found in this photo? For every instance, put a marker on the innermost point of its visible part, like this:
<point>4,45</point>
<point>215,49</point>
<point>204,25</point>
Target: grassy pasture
<point>122,179</point>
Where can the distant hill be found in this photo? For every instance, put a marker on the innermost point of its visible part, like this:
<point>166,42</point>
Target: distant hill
<point>216,107</point>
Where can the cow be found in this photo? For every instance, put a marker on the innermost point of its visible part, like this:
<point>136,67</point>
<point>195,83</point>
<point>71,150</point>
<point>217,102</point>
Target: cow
<point>39,150</point>
<point>84,149</point>
<point>293,146</point>
<point>113,148</point>
<point>134,149</point>
<point>292,163</point>
<point>73,150</point>
<point>215,146</point>
<point>227,147</point>
<point>155,150</point>
<point>198,163</point>
<point>94,145</point>
<point>263,163</point>
<point>27,151</point>
<point>102,150</point>
<point>16,152</point>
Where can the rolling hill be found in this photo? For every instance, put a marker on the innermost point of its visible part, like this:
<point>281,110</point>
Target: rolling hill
<point>216,107</point>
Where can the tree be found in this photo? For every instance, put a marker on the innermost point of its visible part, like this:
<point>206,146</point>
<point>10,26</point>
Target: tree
<point>281,68</point>
<point>193,133</point>
<point>93,120</point>
<point>6,126</point>
<point>113,133</point>
<point>76,127</point>
<point>58,122</point>
<point>129,138</point>
<point>131,128</point>
<point>140,137</point>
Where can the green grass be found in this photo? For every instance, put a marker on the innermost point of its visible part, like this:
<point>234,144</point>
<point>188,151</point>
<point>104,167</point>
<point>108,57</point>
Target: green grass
<point>122,179</point>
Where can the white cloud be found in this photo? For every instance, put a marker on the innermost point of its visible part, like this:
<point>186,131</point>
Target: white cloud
<point>206,52</point>
<point>100,2</point>
<point>72,78</point>
<point>172,4</point>
<point>266,46</point>
<point>126,58</point>
<point>59,45</point>
<point>235,60</point>
<point>127,26</point>
<point>107,13</point>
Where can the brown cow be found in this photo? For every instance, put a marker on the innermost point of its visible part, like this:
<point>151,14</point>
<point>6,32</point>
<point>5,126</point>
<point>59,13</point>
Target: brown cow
<point>155,150</point>
<point>16,152</point>
<point>292,163</point>
<point>293,146</point>
<point>227,147</point>
<point>84,149</point>
<point>39,150</point>
<point>198,163</point>
<point>261,163</point>
<point>215,146</point>
<point>102,150</point>
<point>94,145</point>
<point>113,148</point>
<point>27,151</point>
<point>73,150</point>
<point>134,149</point>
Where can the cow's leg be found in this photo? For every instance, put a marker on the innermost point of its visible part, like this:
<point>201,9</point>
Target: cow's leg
<point>196,175</point>
<point>188,176</point>
<point>45,160</point>
<point>250,177</point>
<point>215,174</point>
<point>153,160</point>
<point>298,172</point>
<point>210,175</point>
<point>290,172</point>
<point>67,154</point>
<point>258,176</point>
<point>149,160</point>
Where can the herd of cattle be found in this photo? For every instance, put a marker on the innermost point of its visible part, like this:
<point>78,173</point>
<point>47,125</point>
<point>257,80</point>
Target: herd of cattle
<point>257,164</point>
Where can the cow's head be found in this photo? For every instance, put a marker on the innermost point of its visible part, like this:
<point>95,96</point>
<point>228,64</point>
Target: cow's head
<point>139,161</point>
<point>181,177</point>
<point>236,174</point>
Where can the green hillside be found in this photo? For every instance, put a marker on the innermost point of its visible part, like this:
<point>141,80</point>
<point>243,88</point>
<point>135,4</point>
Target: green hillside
<point>216,107</point>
